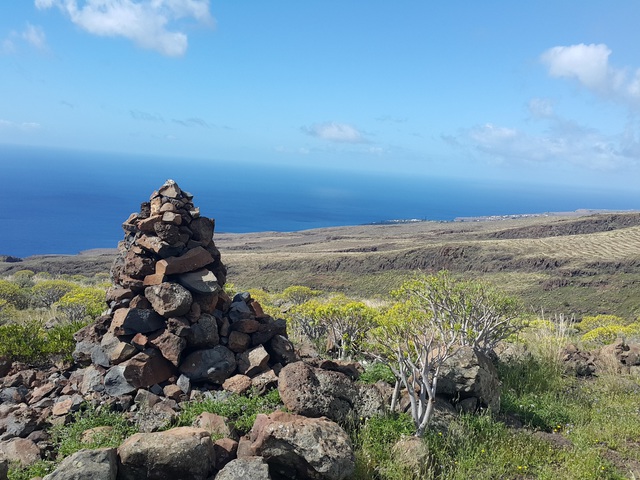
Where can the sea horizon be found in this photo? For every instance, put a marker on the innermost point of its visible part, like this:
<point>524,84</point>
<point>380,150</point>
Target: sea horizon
<point>66,202</point>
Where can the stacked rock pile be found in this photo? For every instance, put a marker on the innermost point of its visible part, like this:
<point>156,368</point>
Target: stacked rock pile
<point>170,323</point>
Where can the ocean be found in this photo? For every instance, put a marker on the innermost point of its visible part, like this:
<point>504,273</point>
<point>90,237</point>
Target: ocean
<point>64,202</point>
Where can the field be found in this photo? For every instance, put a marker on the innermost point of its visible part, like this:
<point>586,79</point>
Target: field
<point>569,264</point>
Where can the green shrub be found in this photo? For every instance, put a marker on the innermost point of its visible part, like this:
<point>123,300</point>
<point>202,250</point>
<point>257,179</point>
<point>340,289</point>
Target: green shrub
<point>29,342</point>
<point>609,333</point>
<point>590,323</point>
<point>48,292</point>
<point>7,311</point>
<point>343,321</point>
<point>25,342</point>
<point>60,341</point>
<point>82,302</point>
<point>297,294</point>
<point>13,294</point>
<point>23,278</point>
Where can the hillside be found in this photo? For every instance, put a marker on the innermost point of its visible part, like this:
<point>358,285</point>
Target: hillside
<point>569,264</point>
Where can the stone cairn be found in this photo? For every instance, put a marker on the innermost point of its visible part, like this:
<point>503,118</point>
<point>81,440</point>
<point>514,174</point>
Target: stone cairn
<point>170,324</point>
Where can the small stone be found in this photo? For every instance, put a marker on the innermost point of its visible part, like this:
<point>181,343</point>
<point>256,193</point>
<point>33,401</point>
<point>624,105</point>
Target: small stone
<point>184,383</point>
<point>147,225</point>
<point>238,384</point>
<point>173,392</point>
<point>253,361</point>
<point>172,217</point>
<point>115,384</point>
<point>226,449</point>
<point>169,299</point>
<point>200,281</point>
<point>246,326</point>
<point>239,342</point>
<point>170,189</point>
<point>146,369</point>
<point>192,260</point>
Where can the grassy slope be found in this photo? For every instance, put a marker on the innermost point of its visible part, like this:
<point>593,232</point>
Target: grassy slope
<point>570,265</point>
<point>576,273</point>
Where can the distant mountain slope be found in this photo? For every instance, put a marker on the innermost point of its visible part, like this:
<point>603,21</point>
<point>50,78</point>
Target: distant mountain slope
<point>573,226</point>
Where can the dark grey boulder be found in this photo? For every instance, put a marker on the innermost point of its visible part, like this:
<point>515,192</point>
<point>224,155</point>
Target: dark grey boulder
<point>100,464</point>
<point>254,468</point>
<point>211,365</point>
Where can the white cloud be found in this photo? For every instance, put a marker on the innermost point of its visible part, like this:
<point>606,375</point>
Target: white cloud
<point>564,142</point>
<point>24,126</point>
<point>541,108</point>
<point>589,65</point>
<point>35,36</point>
<point>151,24</point>
<point>146,116</point>
<point>32,35</point>
<point>7,47</point>
<point>192,122</point>
<point>335,132</point>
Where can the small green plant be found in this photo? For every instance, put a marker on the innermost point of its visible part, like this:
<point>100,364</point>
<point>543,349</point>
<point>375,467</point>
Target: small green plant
<point>69,438</point>
<point>343,321</point>
<point>36,470</point>
<point>298,294</point>
<point>374,441</point>
<point>241,410</point>
<point>25,342</point>
<point>378,371</point>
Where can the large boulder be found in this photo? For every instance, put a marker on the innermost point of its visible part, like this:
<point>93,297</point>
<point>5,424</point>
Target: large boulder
<point>621,356</point>
<point>299,447</point>
<point>129,321</point>
<point>211,365</point>
<point>314,392</point>
<point>100,464</point>
<point>20,450</point>
<point>470,379</point>
<point>183,453</point>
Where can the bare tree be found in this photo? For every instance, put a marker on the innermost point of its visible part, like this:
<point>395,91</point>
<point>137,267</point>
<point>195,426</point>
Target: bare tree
<point>437,315</point>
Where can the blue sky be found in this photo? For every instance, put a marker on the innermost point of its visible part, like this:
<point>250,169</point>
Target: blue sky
<point>539,92</point>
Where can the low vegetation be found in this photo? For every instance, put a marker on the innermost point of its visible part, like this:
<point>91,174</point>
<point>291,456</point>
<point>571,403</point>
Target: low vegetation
<point>551,425</point>
<point>39,315</point>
